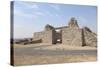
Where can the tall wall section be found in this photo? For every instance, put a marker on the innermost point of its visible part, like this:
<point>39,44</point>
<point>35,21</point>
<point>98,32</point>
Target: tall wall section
<point>49,37</point>
<point>72,36</point>
<point>90,38</point>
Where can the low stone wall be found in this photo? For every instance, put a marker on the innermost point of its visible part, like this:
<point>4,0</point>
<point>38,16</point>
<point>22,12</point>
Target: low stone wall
<point>38,35</point>
<point>46,36</point>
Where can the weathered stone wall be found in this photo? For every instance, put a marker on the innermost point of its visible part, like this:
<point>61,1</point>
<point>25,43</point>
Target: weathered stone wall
<point>46,36</point>
<point>38,35</point>
<point>72,36</point>
<point>90,38</point>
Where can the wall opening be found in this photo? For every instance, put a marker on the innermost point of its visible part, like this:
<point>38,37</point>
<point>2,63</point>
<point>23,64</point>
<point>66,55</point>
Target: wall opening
<point>58,36</point>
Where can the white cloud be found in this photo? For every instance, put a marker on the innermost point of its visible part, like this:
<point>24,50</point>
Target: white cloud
<point>48,13</point>
<point>21,13</point>
<point>39,13</point>
<point>29,5</point>
<point>36,11</point>
<point>56,7</point>
<point>18,12</point>
<point>35,6</point>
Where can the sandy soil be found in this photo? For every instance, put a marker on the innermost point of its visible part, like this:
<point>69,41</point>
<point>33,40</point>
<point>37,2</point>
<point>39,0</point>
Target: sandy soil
<point>54,47</point>
<point>33,60</point>
<point>51,59</point>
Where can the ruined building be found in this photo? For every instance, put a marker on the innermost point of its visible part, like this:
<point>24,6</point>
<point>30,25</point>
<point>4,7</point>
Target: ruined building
<point>67,35</point>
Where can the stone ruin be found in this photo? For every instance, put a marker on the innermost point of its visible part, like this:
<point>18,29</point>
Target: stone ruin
<point>67,35</point>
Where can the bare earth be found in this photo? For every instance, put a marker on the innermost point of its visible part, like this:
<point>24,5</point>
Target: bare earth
<point>30,60</point>
<point>53,47</point>
<point>50,54</point>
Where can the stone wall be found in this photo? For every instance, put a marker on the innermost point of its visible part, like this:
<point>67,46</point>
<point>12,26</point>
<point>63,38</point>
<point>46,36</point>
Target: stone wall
<point>38,35</point>
<point>90,38</point>
<point>47,36</point>
<point>72,36</point>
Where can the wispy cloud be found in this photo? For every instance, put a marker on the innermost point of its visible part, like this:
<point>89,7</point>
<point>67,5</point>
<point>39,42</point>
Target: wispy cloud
<point>35,6</point>
<point>56,7</point>
<point>35,10</point>
<point>27,9</point>
<point>29,5</point>
<point>21,13</point>
<point>39,13</point>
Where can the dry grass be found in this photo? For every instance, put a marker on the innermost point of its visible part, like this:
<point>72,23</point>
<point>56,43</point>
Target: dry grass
<point>29,60</point>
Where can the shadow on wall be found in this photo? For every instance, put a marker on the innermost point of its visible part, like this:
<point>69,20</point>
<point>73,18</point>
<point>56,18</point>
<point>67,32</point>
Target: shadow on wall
<point>37,41</point>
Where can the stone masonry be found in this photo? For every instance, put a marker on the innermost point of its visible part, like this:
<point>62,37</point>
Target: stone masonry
<point>67,35</point>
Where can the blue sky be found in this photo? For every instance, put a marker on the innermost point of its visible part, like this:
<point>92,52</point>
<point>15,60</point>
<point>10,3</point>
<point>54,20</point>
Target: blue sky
<point>30,17</point>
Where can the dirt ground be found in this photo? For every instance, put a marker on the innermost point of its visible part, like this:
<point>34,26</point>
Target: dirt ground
<point>34,60</point>
<point>28,58</point>
<point>54,47</point>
